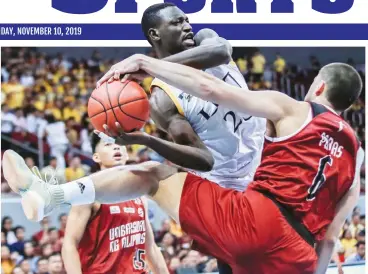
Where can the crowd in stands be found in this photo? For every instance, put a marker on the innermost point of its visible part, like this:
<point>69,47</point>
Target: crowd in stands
<point>44,101</point>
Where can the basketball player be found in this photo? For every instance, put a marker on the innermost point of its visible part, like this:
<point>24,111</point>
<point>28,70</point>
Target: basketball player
<point>303,190</point>
<point>115,238</point>
<point>225,145</point>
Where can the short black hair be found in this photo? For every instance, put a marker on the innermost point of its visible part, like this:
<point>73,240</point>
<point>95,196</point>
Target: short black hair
<point>95,140</point>
<point>150,17</point>
<point>343,83</point>
<point>361,233</point>
<point>359,243</point>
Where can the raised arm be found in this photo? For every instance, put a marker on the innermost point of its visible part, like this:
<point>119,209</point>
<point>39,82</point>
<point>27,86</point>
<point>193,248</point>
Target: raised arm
<point>211,51</point>
<point>75,227</point>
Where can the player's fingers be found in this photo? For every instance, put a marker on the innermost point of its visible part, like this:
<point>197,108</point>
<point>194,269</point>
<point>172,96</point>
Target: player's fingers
<point>106,77</point>
<point>107,130</point>
<point>126,77</point>
<point>119,128</point>
<point>96,132</point>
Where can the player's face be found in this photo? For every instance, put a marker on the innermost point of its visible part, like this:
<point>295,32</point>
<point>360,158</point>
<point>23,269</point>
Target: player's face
<point>175,32</point>
<point>110,155</point>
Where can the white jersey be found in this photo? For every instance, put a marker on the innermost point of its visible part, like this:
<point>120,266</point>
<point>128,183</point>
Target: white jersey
<point>234,139</point>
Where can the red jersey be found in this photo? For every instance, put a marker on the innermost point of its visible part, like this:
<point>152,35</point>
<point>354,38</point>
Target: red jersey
<point>310,171</point>
<point>114,240</point>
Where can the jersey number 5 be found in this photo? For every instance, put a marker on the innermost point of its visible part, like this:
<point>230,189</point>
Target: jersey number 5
<point>138,260</point>
<point>320,177</point>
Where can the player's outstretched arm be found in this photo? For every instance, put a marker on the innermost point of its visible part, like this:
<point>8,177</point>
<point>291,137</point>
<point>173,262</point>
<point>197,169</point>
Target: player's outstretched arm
<point>211,51</point>
<point>75,227</point>
<point>155,258</point>
<point>272,105</point>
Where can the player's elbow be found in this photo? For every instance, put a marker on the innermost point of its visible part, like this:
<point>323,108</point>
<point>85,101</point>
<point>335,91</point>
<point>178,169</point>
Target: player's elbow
<point>221,52</point>
<point>208,162</point>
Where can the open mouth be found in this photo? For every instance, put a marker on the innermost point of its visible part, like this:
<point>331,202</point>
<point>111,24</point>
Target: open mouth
<point>117,155</point>
<point>189,38</point>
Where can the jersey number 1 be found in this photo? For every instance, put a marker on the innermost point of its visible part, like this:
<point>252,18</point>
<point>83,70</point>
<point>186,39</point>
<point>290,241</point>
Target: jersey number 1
<point>320,177</point>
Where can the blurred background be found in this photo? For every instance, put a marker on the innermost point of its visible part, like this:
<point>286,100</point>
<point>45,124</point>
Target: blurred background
<point>44,86</point>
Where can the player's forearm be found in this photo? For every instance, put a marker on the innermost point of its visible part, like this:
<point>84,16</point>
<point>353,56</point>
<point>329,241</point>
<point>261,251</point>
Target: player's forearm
<point>71,258</point>
<point>203,56</point>
<point>325,250</point>
<point>182,155</point>
<point>189,80</point>
<point>156,261</point>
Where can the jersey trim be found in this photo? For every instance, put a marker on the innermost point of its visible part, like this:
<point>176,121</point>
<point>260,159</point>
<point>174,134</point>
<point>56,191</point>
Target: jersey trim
<point>168,91</point>
<point>283,138</point>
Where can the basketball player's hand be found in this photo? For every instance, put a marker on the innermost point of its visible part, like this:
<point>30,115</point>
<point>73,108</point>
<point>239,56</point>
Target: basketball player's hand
<point>129,68</point>
<point>123,138</point>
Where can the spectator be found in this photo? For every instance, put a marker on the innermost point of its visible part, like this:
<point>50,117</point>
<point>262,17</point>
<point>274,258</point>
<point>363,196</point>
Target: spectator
<point>7,120</point>
<point>14,92</point>
<point>57,139</point>
<point>361,236</point>
<point>27,79</point>
<point>55,264</point>
<point>18,246</point>
<point>258,64</point>
<point>168,243</point>
<point>20,122</point>
<point>6,227</point>
<point>355,225</point>
<point>279,64</point>
<point>46,250</point>
<point>41,237</point>
<point>25,266</point>
<point>63,218</point>
<point>54,239</point>
<point>348,242</point>
<point>29,254</point>
<point>359,255</point>
<point>71,133</point>
<point>42,265</point>
<point>75,170</point>
<point>7,264</point>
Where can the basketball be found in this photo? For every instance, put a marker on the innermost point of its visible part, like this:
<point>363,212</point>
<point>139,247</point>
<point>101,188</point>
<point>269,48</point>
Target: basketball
<point>122,102</point>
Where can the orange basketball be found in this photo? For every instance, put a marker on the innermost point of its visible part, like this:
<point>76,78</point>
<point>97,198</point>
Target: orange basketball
<point>126,103</point>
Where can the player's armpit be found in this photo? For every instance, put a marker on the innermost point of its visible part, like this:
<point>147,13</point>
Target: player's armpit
<point>75,227</point>
<point>188,150</point>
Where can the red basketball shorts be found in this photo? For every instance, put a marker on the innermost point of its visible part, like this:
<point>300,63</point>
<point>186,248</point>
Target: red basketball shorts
<point>244,229</point>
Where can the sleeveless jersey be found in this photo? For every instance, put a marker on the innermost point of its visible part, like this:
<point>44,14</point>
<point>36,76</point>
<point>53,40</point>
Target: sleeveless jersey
<point>234,139</point>
<point>114,240</point>
<point>310,171</point>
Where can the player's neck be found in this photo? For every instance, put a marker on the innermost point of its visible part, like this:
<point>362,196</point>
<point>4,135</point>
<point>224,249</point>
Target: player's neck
<point>323,101</point>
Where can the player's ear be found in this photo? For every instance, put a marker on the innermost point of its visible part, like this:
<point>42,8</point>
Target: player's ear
<point>320,88</point>
<point>96,158</point>
<point>154,34</point>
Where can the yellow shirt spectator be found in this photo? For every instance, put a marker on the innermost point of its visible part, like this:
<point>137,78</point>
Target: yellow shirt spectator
<point>242,65</point>
<point>349,246</point>
<point>69,112</point>
<point>72,174</point>
<point>279,64</point>
<point>258,62</point>
<point>14,92</point>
